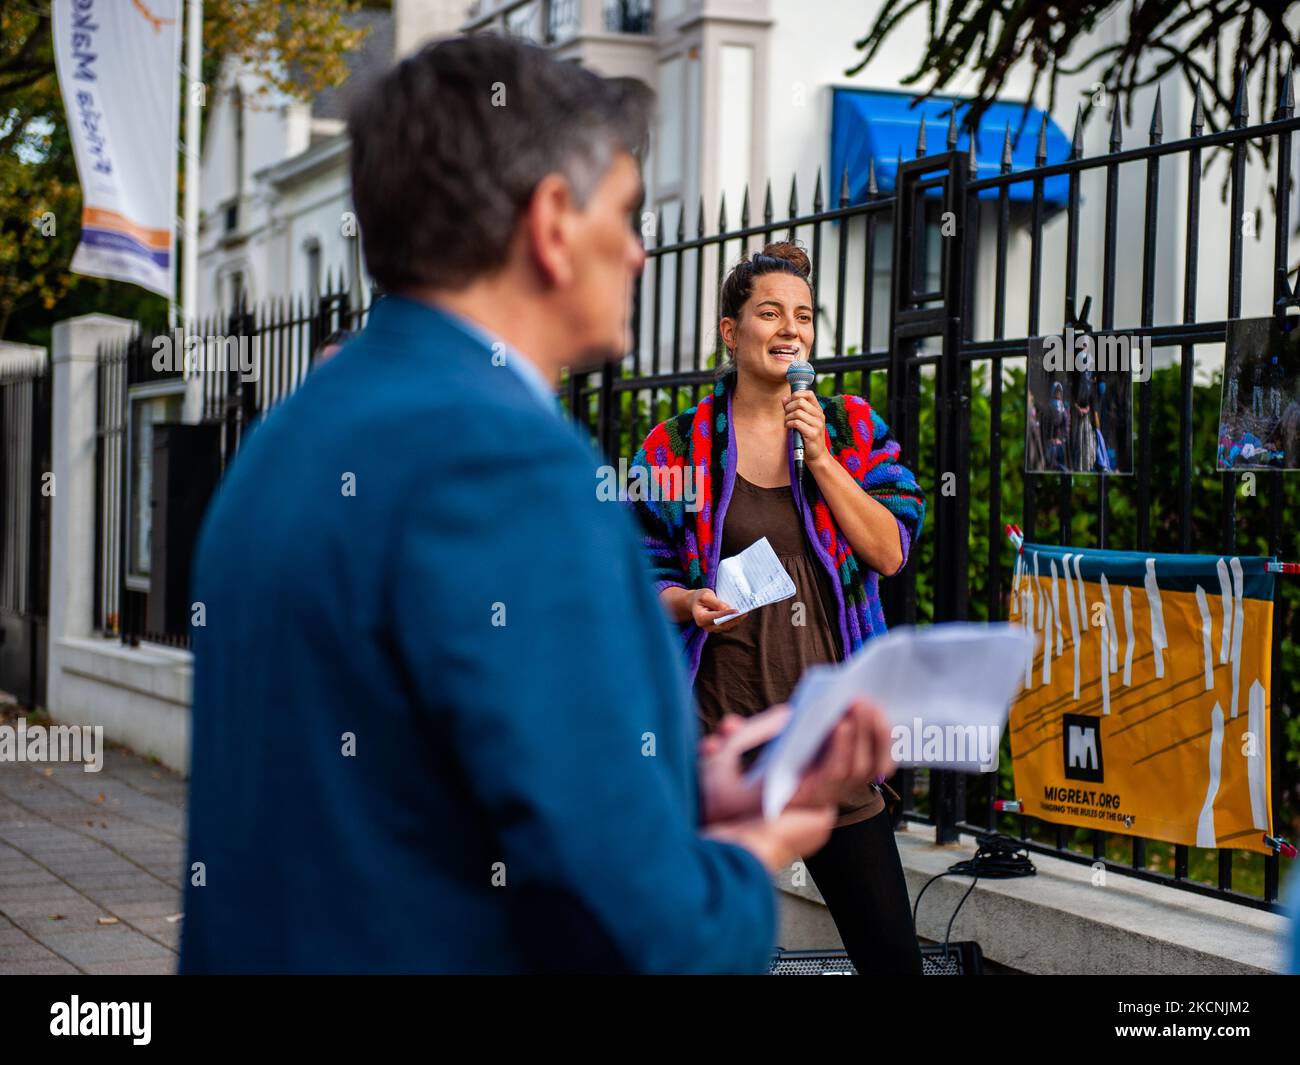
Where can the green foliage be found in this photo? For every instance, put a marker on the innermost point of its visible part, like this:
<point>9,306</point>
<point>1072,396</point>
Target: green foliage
<point>298,46</point>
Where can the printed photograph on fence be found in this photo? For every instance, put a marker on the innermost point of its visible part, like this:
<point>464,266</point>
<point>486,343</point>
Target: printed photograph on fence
<point>1259,418</point>
<point>1079,402</point>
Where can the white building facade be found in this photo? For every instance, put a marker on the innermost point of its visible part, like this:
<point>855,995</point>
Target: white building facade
<point>275,213</point>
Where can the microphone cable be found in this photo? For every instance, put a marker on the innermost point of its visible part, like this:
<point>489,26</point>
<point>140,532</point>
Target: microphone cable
<point>997,857</point>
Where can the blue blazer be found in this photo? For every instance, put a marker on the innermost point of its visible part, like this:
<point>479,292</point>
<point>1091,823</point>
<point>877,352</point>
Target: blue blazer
<point>440,724</point>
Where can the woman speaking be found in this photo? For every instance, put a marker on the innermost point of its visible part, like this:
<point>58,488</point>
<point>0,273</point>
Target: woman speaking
<point>852,519</point>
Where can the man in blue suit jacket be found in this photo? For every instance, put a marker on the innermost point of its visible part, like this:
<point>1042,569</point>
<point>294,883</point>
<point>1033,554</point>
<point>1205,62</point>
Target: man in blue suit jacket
<point>439,722</point>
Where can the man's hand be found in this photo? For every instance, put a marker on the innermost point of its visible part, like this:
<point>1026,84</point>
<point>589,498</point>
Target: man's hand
<point>796,831</point>
<point>724,795</point>
<point>855,754</point>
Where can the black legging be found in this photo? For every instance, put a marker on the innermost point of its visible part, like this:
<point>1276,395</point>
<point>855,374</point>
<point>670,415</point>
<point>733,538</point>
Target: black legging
<point>860,876</point>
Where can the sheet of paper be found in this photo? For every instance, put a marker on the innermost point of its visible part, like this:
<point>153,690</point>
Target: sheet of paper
<point>752,579</point>
<point>932,684</point>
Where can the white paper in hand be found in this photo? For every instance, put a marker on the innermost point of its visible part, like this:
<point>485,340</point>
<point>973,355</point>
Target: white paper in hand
<point>752,579</point>
<point>945,690</point>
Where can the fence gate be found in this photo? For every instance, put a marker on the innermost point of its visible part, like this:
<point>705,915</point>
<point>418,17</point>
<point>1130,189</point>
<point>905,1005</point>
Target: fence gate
<point>24,528</point>
<point>930,201</point>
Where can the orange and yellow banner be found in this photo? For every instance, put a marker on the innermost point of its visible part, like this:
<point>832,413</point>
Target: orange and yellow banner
<point>1145,708</point>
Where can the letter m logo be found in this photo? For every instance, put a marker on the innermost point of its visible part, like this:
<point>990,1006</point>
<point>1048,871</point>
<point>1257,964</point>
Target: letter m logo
<point>1081,739</point>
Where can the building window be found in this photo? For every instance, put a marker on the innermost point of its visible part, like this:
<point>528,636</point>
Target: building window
<point>238,159</point>
<point>525,22</point>
<point>236,290</point>
<point>562,20</point>
<point>628,16</point>
<point>146,412</point>
<point>311,252</point>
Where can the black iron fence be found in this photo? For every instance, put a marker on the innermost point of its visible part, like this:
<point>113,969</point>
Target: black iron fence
<point>26,492</point>
<point>899,297</point>
<point>180,400</point>
<point>915,286</point>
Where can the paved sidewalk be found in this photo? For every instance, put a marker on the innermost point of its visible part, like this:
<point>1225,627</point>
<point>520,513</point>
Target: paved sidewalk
<point>90,865</point>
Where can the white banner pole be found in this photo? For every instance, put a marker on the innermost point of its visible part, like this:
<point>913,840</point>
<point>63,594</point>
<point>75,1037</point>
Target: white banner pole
<point>193,89</point>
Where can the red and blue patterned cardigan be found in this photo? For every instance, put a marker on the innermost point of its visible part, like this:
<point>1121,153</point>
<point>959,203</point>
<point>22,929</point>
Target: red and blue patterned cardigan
<point>683,544</point>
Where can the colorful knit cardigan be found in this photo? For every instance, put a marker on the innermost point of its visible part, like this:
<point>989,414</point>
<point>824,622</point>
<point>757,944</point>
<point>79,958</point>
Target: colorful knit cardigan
<point>683,544</point>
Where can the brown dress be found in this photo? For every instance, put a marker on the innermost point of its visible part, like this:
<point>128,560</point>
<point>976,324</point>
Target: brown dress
<point>758,663</point>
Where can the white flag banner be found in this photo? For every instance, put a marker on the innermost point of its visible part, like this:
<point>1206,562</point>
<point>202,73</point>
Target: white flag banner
<point>118,62</point>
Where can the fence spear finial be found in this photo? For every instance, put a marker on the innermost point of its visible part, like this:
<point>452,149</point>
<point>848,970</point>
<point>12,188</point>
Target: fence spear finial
<point>972,155</point>
<point>952,127</point>
<point>844,186</point>
<point>699,224</point>
<point>767,201</point>
<point>1157,120</point>
<point>818,202</point>
<point>1286,95</point>
<point>744,208</point>
<point>1076,143</point>
<point>681,224</point>
<point>873,189</point>
<point>1116,128</point>
<point>1006,149</point>
<point>722,212</point>
<point>1198,112</point>
<point>920,137</point>
<point>1240,105</point>
<point>1040,153</point>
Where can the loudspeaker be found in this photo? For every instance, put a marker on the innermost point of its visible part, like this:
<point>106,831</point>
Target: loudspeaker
<point>956,959</point>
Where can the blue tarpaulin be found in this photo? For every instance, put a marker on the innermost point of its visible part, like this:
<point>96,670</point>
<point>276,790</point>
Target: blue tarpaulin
<point>878,124</point>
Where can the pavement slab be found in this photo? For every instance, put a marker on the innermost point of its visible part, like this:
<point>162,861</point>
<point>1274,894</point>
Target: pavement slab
<point>90,865</point>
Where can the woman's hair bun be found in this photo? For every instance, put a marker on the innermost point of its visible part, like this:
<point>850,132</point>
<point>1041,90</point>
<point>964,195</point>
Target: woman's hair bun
<point>791,253</point>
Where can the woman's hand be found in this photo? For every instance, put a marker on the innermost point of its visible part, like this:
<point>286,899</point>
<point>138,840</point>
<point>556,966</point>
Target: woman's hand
<point>804,412</point>
<point>698,607</point>
<point>705,605</point>
<point>853,756</point>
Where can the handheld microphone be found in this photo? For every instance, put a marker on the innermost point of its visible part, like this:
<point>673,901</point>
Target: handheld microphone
<point>800,376</point>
